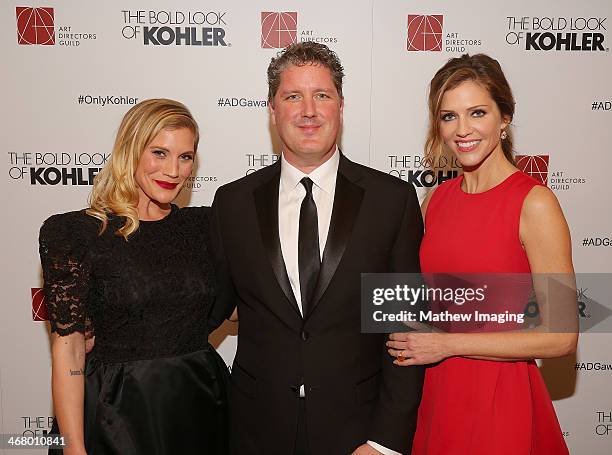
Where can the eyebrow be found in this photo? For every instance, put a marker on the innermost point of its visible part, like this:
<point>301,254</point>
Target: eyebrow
<point>159,147</point>
<point>469,108</point>
<point>321,89</point>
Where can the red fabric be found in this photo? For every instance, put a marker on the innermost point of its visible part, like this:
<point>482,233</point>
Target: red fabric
<point>480,407</point>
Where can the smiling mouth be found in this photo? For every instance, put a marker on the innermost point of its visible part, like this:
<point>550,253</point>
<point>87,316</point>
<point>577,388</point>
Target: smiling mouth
<point>467,146</point>
<point>309,128</point>
<point>166,185</point>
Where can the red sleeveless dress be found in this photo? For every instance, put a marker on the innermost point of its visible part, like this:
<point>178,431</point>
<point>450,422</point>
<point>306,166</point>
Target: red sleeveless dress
<point>481,407</point>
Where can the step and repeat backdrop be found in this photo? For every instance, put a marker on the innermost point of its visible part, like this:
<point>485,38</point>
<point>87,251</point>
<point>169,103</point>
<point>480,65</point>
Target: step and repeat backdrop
<point>71,69</point>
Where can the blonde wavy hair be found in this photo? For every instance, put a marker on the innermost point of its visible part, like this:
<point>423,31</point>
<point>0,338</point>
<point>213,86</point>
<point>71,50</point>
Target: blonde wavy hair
<point>115,191</point>
<point>486,72</point>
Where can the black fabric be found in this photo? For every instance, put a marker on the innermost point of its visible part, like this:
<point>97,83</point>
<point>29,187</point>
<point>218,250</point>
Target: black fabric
<point>171,405</point>
<point>309,256</point>
<point>266,202</point>
<point>301,434</point>
<point>153,384</point>
<point>353,390</point>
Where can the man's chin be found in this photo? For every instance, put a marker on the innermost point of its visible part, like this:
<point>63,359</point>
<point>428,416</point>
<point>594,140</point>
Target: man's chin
<point>316,154</point>
<point>315,147</point>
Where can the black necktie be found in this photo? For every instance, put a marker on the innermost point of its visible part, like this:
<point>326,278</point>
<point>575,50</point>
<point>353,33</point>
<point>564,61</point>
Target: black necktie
<point>309,258</point>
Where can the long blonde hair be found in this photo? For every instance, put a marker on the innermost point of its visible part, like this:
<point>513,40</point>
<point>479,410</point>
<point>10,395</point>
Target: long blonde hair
<point>483,70</point>
<point>115,191</point>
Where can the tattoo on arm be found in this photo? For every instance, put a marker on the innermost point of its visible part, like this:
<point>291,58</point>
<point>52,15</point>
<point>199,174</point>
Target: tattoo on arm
<point>80,372</point>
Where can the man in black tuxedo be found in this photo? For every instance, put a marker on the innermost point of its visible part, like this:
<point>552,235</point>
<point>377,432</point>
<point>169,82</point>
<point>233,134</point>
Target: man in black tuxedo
<point>290,243</point>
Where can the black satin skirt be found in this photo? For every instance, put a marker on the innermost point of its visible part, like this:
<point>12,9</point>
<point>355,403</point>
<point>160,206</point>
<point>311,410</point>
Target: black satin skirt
<point>165,406</point>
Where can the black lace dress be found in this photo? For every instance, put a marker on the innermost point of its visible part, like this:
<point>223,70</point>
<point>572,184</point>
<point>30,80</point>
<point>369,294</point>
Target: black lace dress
<point>153,384</point>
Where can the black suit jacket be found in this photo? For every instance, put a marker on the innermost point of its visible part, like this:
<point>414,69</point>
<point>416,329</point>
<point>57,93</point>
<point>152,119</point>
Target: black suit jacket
<point>353,390</point>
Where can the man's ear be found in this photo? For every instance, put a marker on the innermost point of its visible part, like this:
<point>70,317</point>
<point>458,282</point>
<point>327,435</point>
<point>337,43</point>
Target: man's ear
<point>271,111</point>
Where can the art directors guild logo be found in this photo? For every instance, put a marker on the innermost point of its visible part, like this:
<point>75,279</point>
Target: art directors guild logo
<point>280,29</point>
<point>557,33</point>
<point>37,26</point>
<point>175,28</point>
<point>537,166</point>
<point>534,166</point>
<point>426,33</point>
<point>40,311</point>
<point>55,168</point>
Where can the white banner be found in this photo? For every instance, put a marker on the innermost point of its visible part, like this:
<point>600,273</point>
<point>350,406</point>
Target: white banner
<point>71,69</point>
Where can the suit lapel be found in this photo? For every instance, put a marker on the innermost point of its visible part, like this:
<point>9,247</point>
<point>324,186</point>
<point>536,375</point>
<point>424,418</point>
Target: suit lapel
<point>266,205</point>
<point>347,201</point>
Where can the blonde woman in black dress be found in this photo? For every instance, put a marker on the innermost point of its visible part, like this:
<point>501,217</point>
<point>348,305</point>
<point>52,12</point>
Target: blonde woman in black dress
<point>135,271</point>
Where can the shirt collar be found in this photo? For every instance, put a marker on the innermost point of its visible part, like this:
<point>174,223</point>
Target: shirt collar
<point>324,176</point>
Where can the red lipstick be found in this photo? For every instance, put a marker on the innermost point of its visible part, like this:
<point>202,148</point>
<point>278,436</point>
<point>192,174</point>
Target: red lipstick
<point>166,185</point>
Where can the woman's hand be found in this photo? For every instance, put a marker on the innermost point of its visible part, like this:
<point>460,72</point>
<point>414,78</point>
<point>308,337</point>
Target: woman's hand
<point>414,348</point>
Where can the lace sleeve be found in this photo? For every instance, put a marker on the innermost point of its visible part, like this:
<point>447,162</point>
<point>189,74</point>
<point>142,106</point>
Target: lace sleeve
<point>66,273</point>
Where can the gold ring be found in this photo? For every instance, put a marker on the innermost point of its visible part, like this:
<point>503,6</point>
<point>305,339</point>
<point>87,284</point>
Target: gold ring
<point>400,357</point>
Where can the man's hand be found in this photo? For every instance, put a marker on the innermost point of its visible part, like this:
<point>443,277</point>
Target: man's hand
<point>366,449</point>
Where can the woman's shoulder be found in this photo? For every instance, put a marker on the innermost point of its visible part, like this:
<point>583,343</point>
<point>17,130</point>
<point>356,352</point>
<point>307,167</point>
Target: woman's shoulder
<point>76,218</point>
<point>539,198</point>
<point>75,226</point>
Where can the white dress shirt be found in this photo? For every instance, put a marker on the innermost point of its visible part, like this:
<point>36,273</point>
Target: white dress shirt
<point>290,195</point>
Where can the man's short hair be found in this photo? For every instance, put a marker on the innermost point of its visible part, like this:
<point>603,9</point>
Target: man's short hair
<point>300,54</point>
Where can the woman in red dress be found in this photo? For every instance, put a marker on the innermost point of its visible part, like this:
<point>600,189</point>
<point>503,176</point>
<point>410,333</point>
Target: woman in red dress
<point>483,393</point>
